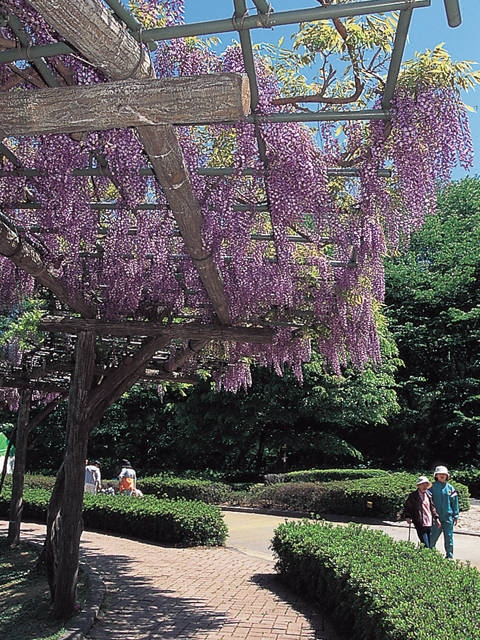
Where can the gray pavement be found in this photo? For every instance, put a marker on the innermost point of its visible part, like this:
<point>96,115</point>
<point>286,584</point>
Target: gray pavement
<point>251,533</point>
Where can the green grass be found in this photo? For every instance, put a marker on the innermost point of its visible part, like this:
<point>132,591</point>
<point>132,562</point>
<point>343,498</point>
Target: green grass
<point>25,606</point>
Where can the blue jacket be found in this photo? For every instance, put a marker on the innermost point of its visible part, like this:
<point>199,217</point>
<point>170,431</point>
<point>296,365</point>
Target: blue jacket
<point>445,499</point>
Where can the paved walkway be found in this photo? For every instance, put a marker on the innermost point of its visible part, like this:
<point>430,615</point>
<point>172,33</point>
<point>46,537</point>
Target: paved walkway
<point>252,532</point>
<point>160,593</point>
<point>150,592</point>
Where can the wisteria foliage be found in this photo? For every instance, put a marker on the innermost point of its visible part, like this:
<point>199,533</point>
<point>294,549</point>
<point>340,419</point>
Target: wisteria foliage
<point>131,263</point>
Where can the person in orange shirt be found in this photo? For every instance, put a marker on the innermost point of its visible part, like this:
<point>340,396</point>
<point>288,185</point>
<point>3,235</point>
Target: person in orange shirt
<point>128,479</point>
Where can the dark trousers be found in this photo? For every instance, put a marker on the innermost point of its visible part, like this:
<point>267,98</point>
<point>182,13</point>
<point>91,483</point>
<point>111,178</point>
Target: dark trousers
<point>423,534</point>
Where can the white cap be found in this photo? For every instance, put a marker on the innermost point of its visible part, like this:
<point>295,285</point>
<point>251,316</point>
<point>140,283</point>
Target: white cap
<point>441,469</point>
<point>423,479</point>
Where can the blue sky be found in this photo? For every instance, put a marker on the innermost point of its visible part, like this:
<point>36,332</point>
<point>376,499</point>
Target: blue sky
<point>428,28</point>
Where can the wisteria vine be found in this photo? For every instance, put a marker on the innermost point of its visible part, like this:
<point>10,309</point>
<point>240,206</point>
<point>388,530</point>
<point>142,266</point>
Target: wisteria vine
<point>129,260</point>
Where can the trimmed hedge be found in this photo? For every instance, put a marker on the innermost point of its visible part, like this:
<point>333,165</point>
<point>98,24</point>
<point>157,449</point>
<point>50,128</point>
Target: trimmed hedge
<point>382,497</point>
<point>33,481</point>
<point>376,588</point>
<point>174,522</point>
<point>189,489</point>
<point>329,475</point>
<point>469,477</point>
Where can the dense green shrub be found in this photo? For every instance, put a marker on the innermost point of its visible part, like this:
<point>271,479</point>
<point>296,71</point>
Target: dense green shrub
<point>302,497</point>
<point>469,477</point>
<point>376,588</point>
<point>189,489</point>
<point>35,503</point>
<point>381,497</point>
<point>174,522</point>
<point>34,481</point>
<point>328,475</point>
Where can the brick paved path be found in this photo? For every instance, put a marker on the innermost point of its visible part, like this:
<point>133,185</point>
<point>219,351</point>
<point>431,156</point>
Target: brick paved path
<point>160,593</point>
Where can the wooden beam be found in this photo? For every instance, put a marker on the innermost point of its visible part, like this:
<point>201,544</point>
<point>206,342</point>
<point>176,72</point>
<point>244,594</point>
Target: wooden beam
<point>122,378</point>
<point>98,35</point>
<point>39,380</point>
<point>164,152</point>
<point>130,103</point>
<point>190,330</point>
<point>151,376</point>
<point>25,257</point>
<point>39,385</point>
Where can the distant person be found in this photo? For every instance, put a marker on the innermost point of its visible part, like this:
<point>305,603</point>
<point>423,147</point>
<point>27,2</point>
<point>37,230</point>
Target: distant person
<point>93,478</point>
<point>420,510</point>
<point>128,479</point>
<point>108,489</point>
<point>445,499</point>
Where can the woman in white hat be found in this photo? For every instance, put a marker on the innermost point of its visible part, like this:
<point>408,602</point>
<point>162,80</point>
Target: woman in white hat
<point>420,510</point>
<point>445,499</point>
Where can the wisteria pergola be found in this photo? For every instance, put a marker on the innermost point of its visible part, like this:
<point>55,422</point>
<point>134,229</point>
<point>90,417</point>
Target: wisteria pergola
<point>111,39</point>
<point>93,355</point>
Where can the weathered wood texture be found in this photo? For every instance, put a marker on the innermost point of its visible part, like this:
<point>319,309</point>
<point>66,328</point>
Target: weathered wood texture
<point>78,428</point>
<point>216,97</point>
<point>27,258</point>
<point>98,35</point>
<point>122,378</point>
<point>40,382</point>
<point>190,330</point>
<point>18,382</point>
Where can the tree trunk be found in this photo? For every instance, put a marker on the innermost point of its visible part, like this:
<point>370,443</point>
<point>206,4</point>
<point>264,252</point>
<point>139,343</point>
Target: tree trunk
<point>64,525</point>
<point>70,519</point>
<point>16,502</point>
<point>87,403</point>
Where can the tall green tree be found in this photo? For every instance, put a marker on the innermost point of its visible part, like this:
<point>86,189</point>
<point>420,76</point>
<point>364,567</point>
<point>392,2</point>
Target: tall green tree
<point>282,424</point>
<point>433,299</point>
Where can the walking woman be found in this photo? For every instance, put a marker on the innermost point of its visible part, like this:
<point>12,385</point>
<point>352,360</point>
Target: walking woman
<point>420,510</point>
<point>445,499</point>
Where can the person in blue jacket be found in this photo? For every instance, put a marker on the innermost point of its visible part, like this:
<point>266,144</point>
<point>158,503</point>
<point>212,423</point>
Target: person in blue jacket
<point>445,499</point>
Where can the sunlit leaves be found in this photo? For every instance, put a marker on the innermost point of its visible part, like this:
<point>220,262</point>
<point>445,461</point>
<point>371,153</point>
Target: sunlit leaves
<point>435,68</point>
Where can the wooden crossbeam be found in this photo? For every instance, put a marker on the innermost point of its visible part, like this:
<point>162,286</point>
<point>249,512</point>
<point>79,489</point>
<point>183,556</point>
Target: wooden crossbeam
<point>90,27</point>
<point>18,382</point>
<point>185,330</point>
<point>129,103</point>
<point>162,147</point>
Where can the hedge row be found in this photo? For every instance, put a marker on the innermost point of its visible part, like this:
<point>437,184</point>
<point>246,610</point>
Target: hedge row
<point>470,477</point>
<point>375,493</point>
<point>189,489</point>
<point>381,497</point>
<point>376,588</point>
<point>329,475</point>
<point>173,522</point>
